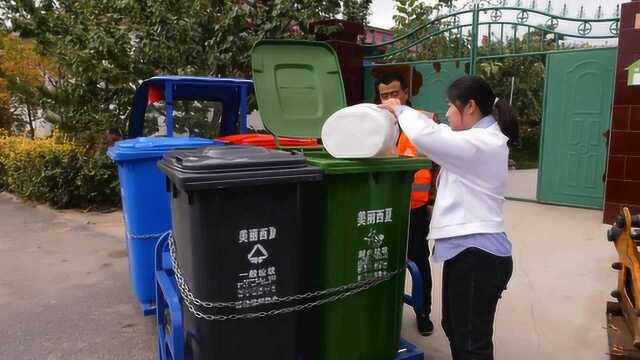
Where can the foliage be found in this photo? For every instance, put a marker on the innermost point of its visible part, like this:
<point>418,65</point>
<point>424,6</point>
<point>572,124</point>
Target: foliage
<point>528,91</point>
<point>528,85</point>
<point>412,16</point>
<point>95,53</point>
<point>7,117</point>
<point>104,48</point>
<point>57,171</point>
<point>356,10</point>
<point>22,77</point>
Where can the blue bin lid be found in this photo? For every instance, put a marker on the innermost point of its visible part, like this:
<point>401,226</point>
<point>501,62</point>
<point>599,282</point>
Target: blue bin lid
<point>154,147</point>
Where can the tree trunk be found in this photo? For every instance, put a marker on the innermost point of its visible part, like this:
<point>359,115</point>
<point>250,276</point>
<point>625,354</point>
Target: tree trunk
<point>32,129</point>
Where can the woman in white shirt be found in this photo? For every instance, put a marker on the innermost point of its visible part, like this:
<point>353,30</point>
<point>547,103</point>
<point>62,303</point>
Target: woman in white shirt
<point>467,222</point>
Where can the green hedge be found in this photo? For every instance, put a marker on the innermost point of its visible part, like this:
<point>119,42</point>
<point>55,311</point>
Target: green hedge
<point>58,172</point>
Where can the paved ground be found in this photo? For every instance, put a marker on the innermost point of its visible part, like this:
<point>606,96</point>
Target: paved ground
<point>64,293</point>
<point>64,289</point>
<point>555,305</point>
<point>522,184</point>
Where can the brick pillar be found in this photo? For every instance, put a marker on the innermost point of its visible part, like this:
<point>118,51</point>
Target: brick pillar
<point>623,170</point>
<point>350,55</point>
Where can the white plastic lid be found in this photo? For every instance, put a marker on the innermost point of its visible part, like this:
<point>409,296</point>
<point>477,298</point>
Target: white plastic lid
<point>361,131</point>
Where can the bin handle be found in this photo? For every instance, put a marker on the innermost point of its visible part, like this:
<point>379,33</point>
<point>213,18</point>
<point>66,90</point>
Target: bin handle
<point>145,236</point>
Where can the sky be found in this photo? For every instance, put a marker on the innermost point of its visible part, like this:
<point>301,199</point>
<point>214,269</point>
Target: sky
<point>383,10</point>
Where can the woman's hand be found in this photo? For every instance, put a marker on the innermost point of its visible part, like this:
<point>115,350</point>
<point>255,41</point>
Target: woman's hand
<point>391,105</point>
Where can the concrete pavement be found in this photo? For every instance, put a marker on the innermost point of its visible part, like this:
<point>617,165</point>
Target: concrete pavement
<point>64,289</point>
<point>522,184</point>
<point>554,307</point>
<point>64,292</point>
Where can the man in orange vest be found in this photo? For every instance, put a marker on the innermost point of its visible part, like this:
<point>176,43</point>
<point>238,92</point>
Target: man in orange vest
<point>393,85</point>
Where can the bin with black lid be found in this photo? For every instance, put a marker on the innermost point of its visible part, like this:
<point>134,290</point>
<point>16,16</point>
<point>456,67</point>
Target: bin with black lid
<point>246,239</point>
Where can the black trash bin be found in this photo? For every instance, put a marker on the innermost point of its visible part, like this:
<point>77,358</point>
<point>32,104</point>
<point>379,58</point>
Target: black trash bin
<point>246,223</point>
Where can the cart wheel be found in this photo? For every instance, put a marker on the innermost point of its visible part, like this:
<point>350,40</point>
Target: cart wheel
<point>614,233</point>
<point>614,308</point>
<point>616,294</point>
<point>635,221</point>
<point>620,222</point>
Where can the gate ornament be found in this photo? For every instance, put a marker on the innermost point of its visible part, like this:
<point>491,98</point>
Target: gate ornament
<point>523,16</point>
<point>585,28</point>
<point>614,28</point>
<point>552,23</point>
<point>496,15</point>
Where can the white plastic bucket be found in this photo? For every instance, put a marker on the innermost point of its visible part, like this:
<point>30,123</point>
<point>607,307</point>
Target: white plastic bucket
<point>360,131</point>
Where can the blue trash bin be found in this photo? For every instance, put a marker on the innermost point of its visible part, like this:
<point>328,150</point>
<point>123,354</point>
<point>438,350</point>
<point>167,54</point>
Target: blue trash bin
<point>146,204</point>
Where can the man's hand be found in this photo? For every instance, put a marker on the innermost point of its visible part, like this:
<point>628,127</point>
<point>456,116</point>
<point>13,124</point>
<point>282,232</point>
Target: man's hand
<point>391,105</point>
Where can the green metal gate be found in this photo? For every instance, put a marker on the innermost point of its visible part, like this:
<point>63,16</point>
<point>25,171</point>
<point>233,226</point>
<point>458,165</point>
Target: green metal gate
<point>578,81</point>
<point>436,79</point>
<point>577,111</point>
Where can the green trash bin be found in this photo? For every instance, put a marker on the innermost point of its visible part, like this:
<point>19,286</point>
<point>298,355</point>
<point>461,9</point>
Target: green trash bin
<point>364,241</point>
<point>366,202</point>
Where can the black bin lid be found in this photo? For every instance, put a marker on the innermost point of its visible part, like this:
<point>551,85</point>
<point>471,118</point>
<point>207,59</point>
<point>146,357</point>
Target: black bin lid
<point>235,165</point>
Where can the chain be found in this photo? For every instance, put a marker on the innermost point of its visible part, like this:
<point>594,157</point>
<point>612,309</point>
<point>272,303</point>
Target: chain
<point>191,301</point>
<point>188,294</point>
<point>290,309</point>
<point>145,236</point>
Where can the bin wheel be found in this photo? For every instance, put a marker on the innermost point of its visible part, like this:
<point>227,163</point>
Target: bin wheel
<point>614,308</point>
<point>614,233</point>
<point>615,294</point>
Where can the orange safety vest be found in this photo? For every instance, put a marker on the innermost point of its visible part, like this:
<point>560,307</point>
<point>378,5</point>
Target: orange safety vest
<point>422,180</point>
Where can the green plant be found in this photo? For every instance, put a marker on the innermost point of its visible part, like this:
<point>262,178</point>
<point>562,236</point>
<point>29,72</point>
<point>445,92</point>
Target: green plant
<point>97,182</point>
<point>58,172</point>
<point>356,10</point>
<point>102,49</point>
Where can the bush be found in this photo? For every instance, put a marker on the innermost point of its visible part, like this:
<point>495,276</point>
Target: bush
<point>58,172</point>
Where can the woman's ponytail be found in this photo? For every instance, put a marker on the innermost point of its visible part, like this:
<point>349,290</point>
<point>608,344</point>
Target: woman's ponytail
<point>508,121</point>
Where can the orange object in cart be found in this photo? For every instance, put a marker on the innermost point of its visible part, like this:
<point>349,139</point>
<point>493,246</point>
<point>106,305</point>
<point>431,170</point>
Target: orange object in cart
<point>267,141</point>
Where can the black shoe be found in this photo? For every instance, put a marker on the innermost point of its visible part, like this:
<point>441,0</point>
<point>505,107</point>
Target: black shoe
<point>425,326</point>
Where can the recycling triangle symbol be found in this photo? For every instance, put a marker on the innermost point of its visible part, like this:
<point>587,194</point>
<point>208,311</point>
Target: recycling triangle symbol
<point>258,254</point>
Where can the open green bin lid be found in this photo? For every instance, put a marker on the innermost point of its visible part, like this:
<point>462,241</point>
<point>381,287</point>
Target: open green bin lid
<point>298,85</point>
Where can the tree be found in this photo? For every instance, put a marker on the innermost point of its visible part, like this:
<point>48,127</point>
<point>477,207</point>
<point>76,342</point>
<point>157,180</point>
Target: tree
<point>104,48</point>
<point>356,10</point>
<point>413,16</point>
<point>6,115</point>
<point>23,73</point>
